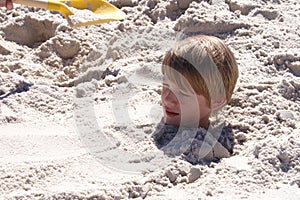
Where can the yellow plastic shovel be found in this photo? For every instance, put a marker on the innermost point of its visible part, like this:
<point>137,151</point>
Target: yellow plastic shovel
<point>101,10</point>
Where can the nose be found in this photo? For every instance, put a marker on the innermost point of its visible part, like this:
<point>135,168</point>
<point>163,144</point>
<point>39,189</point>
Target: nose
<point>168,98</point>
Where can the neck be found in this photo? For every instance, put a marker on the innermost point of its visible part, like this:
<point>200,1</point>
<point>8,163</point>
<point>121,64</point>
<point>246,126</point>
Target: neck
<point>204,123</point>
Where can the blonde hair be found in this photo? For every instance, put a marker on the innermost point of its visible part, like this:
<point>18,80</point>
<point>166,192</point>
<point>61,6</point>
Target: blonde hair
<point>206,63</point>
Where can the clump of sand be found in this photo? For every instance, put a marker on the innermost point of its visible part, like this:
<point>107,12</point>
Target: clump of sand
<point>72,101</point>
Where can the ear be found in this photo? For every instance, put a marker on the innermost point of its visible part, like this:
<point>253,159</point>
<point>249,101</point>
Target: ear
<point>218,104</point>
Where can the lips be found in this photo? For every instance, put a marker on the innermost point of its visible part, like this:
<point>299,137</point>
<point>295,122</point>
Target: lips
<point>170,113</point>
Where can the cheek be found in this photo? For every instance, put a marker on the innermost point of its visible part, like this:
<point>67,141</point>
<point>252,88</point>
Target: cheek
<point>188,112</point>
<point>188,103</point>
<point>204,106</point>
<point>192,106</point>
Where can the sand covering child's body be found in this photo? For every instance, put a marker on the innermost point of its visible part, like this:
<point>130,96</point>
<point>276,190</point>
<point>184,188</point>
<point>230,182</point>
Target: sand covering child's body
<point>200,74</point>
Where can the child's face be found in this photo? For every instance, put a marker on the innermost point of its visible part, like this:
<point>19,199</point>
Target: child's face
<point>183,108</point>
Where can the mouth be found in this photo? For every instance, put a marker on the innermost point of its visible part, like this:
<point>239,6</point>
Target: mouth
<point>170,113</point>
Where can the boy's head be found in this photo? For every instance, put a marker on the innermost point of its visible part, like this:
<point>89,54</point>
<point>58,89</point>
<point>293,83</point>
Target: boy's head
<point>200,74</point>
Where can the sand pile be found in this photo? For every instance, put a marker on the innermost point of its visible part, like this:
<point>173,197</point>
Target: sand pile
<point>79,106</point>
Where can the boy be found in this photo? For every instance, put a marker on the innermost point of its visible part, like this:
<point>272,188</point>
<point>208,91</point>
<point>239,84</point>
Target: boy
<point>200,74</point>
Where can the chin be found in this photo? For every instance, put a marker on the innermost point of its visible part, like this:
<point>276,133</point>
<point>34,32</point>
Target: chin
<point>172,122</point>
<point>178,123</point>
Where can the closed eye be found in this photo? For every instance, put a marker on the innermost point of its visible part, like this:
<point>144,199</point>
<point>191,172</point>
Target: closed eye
<point>165,85</point>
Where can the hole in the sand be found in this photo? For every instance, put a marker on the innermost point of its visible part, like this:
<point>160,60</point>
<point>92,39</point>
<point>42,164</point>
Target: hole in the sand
<point>290,61</point>
<point>244,8</point>
<point>270,15</point>
<point>20,87</point>
<point>29,31</point>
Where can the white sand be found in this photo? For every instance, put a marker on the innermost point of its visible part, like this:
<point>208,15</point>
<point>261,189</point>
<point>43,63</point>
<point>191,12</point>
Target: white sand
<point>78,106</point>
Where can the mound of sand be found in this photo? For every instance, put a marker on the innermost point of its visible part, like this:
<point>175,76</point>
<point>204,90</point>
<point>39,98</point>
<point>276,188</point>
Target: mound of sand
<point>79,106</point>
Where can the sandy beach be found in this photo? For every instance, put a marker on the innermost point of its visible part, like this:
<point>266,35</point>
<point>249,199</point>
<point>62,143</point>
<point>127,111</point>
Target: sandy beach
<point>78,107</point>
